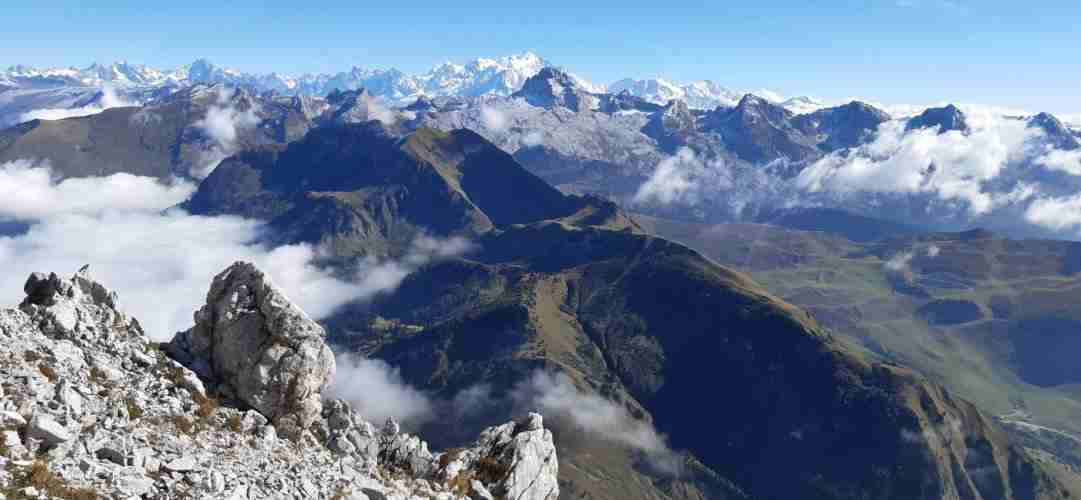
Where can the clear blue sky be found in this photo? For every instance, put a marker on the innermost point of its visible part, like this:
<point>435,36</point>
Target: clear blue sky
<point>1016,53</point>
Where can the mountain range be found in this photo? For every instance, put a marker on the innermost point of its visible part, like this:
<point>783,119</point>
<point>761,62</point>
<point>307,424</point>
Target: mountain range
<point>483,76</point>
<point>573,285</point>
<point>750,299</point>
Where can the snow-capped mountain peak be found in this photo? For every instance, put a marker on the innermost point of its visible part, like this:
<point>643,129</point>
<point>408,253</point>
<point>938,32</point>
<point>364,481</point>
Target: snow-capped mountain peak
<point>703,94</point>
<point>803,104</point>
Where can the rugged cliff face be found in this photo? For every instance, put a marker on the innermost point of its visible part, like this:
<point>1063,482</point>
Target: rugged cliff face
<point>91,409</point>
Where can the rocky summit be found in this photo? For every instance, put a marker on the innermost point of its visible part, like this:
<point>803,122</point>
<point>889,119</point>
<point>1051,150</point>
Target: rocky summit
<point>258,347</point>
<point>91,408</point>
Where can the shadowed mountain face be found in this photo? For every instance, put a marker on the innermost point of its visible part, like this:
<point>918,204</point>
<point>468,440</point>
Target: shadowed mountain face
<point>759,131</point>
<point>747,383</point>
<point>1057,133</point>
<point>844,126</point>
<point>995,320</point>
<point>358,189</point>
<point>945,119</point>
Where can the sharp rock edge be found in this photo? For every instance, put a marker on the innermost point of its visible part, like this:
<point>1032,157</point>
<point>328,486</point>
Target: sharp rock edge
<point>90,406</point>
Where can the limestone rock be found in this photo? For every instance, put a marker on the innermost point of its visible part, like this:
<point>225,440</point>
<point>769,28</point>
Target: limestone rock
<point>114,417</point>
<point>182,464</point>
<point>267,352</point>
<point>526,458</point>
<point>48,430</point>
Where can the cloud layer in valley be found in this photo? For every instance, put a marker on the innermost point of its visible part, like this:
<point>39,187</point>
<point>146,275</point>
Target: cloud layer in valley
<point>109,99</point>
<point>951,166</point>
<point>160,259</point>
<point>1002,173</point>
<point>28,192</point>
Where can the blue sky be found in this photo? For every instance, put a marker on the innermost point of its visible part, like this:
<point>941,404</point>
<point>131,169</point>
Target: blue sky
<point>1022,54</point>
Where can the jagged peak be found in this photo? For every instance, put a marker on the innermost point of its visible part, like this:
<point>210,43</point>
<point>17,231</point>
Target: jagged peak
<point>946,118</point>
<point>1056,132</point>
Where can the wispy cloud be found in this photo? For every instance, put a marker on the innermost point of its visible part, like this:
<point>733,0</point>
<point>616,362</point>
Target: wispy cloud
<point>1058,213</point>
<point>682,178</point>
<point>223,123</point>
<point>560,401</point>
<point>377,391</point>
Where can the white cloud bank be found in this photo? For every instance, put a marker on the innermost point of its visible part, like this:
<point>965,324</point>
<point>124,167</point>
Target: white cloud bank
<point>1065,161</point>
<point>1062,213</point>
<point>28,192</point>
<point>109,99</point>
<point>161,263</point>
<point>951,166</point>
<point>997,174</point>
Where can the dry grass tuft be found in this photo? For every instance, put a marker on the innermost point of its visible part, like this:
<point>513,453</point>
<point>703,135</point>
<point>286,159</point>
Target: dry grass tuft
<point>49,372</point>
<point>45,481</point>
<point>236,423</point>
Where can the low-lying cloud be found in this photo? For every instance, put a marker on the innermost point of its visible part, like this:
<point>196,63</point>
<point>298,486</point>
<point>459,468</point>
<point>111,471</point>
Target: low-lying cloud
<point>1061,213</point>
<point>377,391</point>
<point>223,124</point>
<point>161,264</point>
<point>375,275</point>
<point>900,262</point>
<point>950,165</point>
<point>556,397</point>
<point>109,99</point>
<point>493,119</point>
<point>29,191</point>
<point>1003,174</point>
<point>160,260</point>
<point>1066,161</point>
<point>533,138</point>
<point>682,178</point>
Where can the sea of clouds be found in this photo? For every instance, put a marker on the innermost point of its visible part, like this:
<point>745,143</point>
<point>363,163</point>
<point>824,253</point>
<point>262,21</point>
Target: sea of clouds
<point>1001,172</point>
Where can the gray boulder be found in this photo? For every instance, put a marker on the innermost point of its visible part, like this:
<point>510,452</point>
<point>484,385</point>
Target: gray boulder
<point>47,429</point>
<point>260,347</point>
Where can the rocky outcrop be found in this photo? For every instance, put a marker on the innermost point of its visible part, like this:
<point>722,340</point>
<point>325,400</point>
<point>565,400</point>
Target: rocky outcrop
<point>1057,134</point>
<point>552,88</point>
<point>759,131</point>
<point>945,119</point>
<point>89,408</point>
<point>671,126</point>
<point>527,444</point>
<point>255,345</point>
<point>844,126</point>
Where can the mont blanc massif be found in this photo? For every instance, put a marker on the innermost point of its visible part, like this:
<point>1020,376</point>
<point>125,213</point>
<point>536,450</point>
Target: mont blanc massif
<point>499,280</point>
